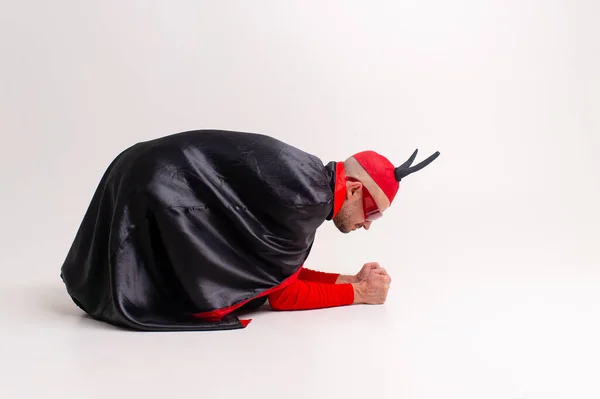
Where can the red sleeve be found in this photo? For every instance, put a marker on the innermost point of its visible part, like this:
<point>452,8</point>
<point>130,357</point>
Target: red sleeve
<point>317,277</point>
<point>302,295</point>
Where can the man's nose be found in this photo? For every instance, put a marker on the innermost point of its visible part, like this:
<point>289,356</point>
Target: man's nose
<point>367,224</point>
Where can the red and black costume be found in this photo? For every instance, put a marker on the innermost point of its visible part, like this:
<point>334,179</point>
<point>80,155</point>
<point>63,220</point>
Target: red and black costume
<point>185,229</point>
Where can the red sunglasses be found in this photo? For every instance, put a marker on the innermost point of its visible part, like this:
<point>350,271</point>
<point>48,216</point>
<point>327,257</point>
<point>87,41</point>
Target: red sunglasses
<point>370,208</point>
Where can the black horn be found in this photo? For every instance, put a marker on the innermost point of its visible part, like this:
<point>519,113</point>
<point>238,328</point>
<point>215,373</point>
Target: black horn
<point>405,169</point>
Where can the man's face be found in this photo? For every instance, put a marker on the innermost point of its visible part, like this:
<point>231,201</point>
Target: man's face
<point>352,216</point>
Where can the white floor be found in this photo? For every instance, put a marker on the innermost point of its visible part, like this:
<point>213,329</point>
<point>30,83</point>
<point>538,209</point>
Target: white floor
<point>433,339</point>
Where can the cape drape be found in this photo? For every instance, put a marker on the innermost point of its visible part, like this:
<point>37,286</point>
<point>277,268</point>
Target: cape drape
<point>195,222</point>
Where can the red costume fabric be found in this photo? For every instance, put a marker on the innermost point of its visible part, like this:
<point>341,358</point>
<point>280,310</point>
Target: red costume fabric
<point>312,290</point>
<point>306,289</point>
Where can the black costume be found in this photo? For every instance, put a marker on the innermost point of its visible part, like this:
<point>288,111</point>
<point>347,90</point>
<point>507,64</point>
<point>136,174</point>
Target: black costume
<point>193,223</point>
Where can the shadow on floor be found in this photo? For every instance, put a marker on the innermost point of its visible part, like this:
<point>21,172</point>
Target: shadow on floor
<point>54,301</point>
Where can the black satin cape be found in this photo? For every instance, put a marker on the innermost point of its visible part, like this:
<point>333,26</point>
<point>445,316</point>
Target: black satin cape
<point>195,222</point>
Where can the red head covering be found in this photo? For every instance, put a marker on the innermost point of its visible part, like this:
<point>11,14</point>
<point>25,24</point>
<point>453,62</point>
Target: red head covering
<point>379,176</point>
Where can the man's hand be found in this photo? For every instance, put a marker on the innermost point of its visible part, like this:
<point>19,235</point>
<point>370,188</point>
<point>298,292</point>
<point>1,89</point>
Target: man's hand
<point>364,273</point>
<point>374,289</point>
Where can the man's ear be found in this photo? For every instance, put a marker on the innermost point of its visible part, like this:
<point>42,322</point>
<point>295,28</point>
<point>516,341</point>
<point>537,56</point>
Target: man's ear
<point>353,187</point>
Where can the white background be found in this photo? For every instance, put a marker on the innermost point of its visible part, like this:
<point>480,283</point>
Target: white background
<point>494,249</point>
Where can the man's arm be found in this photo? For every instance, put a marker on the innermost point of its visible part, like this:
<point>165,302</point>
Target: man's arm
<point>336,278</point>
<point>327,278</point>
<point>303,295</point>
<point>346,279</point>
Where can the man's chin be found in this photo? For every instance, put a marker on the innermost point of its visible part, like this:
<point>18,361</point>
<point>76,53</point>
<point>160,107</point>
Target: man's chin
<point>343,229</point>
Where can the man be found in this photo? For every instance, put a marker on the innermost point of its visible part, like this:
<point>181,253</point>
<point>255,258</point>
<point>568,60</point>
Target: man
<point>185,230</point>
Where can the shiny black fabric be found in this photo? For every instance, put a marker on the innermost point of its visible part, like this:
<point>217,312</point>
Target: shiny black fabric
<point>194,222</point>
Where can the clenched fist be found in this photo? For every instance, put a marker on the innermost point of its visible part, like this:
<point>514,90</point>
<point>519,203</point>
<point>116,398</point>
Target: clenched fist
<point>363,274</point>
<point>374,288</point>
